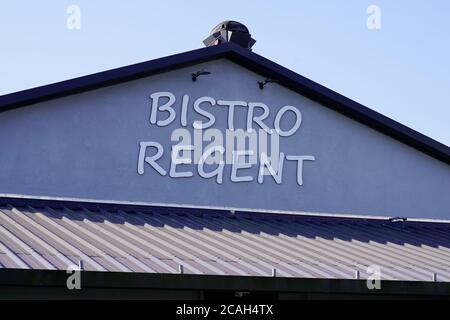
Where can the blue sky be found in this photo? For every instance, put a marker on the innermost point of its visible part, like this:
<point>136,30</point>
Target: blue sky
<point>401,70</point>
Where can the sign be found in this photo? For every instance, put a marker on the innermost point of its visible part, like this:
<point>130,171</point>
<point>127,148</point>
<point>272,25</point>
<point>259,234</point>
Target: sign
<point>242,148</point>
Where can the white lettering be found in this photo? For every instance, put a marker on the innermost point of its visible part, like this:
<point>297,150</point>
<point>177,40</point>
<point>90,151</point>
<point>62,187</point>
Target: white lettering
<point>257,119</point>
<point>374,19</point>
<point>231,105</point>
<point>265,163</point>
<point>74,280</point>
<point>218,171</point>
<point>212,119</point>
<point>74,19</point>
<point>237,164</point>
<point>165,107</point>
<point>298,121</point>
<point>150,160</point>
<point>300,160</point>
<point>176,160</point>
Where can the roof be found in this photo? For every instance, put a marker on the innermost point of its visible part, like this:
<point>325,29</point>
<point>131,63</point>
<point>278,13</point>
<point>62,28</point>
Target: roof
<point>249,60</point>
<point>51,235</point>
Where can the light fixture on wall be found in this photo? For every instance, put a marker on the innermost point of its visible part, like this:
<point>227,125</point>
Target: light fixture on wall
<point>397,219</point>
<point>198,74</point>
<point>262,84</point>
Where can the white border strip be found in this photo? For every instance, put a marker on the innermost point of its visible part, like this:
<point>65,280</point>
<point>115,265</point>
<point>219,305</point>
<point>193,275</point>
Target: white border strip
<point>225,208</point>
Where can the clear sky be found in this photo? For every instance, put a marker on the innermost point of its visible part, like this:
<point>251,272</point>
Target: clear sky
<point>401,70</point>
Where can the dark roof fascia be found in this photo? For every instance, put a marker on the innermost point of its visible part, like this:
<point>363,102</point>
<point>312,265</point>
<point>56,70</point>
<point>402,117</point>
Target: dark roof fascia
<point>250,60</point>
<point>131,280</point>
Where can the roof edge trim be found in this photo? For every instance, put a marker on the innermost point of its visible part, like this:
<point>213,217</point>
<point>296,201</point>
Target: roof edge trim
<point>114,205</point>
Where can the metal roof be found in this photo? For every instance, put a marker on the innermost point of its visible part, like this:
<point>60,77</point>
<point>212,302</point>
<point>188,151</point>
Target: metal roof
<point>248,59</point>
<point>159,240</point>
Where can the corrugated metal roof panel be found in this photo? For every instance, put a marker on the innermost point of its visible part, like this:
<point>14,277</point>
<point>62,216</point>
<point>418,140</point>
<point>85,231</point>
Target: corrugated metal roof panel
<point>221,243</point>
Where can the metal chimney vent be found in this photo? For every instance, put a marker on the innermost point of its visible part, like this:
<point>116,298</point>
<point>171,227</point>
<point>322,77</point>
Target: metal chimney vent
<point>230,31</point>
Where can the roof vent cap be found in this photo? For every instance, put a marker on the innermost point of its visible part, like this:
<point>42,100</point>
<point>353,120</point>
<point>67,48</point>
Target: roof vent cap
<point>230,31</point>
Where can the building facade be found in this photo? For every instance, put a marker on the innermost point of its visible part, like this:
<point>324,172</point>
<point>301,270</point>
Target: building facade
<point>216,173</point>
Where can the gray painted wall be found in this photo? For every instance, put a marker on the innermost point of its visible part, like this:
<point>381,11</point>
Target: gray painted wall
<point>87,146</point>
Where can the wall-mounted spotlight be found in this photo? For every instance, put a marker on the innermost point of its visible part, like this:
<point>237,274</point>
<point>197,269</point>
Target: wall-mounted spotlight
<point>397,219</point>
<point>198,74</point>
<point>397,222</point>
<point>262,84</point>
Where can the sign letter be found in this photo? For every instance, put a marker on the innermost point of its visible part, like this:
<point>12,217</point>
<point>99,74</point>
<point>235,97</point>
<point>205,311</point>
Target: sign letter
<point>298,121</point>
<point>150,160</point>
<point>165,107</point>
<point>300,160</point>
